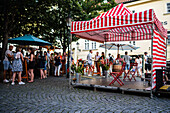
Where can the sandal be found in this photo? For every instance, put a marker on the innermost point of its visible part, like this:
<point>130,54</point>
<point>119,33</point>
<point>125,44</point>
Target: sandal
<point>30,81</point>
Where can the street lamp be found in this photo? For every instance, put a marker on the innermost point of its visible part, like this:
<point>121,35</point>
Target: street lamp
<point>69,47</point>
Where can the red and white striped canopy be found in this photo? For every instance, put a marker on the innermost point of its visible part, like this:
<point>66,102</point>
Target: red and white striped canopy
<point>119,24</point>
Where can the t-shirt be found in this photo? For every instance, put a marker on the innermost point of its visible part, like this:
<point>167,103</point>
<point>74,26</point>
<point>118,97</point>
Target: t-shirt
<point>6,54</point>
<point>89,58</point>
<point>146,57</point>
<point>97,57</point>
<point>127,59</point>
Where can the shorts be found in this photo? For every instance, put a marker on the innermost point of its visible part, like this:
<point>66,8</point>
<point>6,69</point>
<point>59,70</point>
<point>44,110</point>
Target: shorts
<point>7,65</point>
<point>139,67</point>
<point>148,67</point>
<point>90,64</point>
<point>127,67</point>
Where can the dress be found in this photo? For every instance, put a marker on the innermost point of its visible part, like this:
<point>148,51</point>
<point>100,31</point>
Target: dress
<point>41,64</point>
<point>17,63</point>
<point>31,63</point>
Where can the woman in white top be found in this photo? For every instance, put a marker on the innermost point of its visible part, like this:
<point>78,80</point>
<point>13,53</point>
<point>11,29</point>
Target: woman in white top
<point>17,67</point>
<point>139,61</point>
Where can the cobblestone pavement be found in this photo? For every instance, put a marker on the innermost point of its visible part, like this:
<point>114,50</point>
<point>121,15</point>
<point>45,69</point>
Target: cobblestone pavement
<point>53,95</point>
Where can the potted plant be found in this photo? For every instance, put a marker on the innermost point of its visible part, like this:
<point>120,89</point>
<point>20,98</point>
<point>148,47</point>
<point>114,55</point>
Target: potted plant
<point>105,67</point>
<point>74,80</point>
<point>79,70</point>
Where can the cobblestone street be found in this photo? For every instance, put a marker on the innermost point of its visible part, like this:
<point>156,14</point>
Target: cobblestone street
<point>53,95</point>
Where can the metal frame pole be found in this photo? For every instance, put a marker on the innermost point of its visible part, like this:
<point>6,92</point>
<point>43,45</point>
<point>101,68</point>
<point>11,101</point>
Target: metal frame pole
<point>70,61</point>
<point>166,47</point>
<point>152,62</point>
<point>105,46</point>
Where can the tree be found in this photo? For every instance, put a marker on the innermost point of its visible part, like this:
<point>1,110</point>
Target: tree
<point>46,18</point>
<point>92,8</point>
<point>80,10</point>
<point>19,17</point>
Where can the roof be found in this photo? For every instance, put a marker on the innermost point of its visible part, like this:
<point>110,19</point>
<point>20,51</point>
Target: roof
<point>119,24</point>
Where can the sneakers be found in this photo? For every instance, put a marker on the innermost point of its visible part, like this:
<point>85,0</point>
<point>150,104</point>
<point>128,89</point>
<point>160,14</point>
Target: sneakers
<point>5,81</point>
<point>21,83</point>
<point>12,83</point>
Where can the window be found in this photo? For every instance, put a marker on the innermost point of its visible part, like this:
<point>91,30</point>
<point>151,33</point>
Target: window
<point>168,38</point>
<point>86,44</point>
<point>168,7</point>
<point>93,45</point>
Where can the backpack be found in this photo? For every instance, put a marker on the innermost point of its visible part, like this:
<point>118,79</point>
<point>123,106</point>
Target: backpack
<point>110,59</point>
<point>149,59</point>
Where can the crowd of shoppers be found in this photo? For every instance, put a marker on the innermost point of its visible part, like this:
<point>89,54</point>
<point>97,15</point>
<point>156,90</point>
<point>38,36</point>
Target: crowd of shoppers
<point>110,60</point>
<point>42,61</point>
<point>52,63</point>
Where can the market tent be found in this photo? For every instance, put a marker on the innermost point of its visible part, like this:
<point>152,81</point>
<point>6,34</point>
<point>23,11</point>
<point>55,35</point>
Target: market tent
<point>28,40</point>
<point>124,26</point>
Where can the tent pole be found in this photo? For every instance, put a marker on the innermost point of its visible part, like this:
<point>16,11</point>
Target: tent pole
<point>166,47</point>
<point>152,62</point>
<point>105,46</point>
<point>118,49</point>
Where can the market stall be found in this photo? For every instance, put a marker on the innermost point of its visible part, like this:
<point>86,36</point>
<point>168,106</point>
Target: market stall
<point>27,40</point>
<point>120,24</point>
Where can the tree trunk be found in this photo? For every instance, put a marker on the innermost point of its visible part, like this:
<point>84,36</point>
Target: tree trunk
<point>4,45</point>
<point>64,42</point>
<point>5,34</point>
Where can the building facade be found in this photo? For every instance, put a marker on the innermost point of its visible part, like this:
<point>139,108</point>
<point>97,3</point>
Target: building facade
<point>162,10</point>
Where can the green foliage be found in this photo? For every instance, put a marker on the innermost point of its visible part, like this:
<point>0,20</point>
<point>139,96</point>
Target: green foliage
<point>92,8</point>
<point>47,18</point>
<point>78,69</point>
<point>106,67</point>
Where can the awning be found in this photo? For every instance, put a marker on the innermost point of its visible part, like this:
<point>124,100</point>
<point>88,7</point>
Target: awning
<point>119,24</point>
<point>28,40</point>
